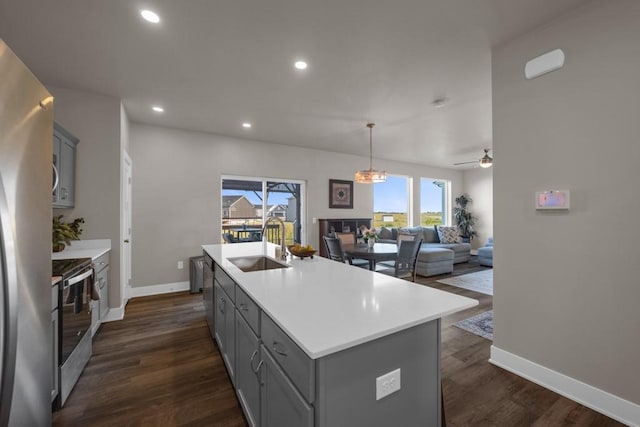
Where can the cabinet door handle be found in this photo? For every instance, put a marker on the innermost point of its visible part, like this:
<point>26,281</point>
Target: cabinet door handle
<point>253,355</point>
<point>257,370</point>
<point>282,352</point>
<point>221,305</point>
<point>243,307</point>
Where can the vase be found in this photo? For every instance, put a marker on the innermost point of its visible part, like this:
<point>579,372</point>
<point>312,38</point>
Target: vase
<point>371,242</point>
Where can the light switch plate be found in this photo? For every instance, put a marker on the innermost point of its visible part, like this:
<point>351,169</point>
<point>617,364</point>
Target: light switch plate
<point>387,384</point>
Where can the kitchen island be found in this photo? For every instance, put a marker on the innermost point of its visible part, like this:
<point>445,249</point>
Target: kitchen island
<point>321,343</point>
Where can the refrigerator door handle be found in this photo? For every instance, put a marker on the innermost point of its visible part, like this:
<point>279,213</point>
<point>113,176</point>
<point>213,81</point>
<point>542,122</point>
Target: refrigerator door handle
<point>8,304</point>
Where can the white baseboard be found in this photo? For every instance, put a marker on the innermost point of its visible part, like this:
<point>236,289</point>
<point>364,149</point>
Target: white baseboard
<point>606,403</point>
<point>115,314</point>
<point>165,288</point>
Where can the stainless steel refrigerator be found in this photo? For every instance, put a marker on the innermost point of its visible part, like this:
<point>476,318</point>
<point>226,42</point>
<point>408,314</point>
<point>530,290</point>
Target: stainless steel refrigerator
<point>26,129</point>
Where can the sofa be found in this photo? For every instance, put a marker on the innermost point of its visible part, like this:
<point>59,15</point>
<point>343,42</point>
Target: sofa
<point>485,253</point>
<point>434,257</point>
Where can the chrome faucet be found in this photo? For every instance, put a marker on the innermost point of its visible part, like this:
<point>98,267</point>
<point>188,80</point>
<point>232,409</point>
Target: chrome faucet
<point>283,253</point>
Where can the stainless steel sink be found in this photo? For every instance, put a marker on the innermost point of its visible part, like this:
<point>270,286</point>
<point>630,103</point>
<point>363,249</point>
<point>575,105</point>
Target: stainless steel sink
<point>256,263</point>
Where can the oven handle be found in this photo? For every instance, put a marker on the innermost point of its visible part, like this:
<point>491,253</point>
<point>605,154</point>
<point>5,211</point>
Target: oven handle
<point>76,279</point>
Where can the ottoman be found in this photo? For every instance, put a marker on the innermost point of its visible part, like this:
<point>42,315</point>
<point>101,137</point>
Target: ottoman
<point>432,261</point>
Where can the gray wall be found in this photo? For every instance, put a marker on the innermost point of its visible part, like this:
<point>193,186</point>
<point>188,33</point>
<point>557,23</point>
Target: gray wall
<point>95,120</point>
<point>478,182</point>
<point>176,190</point>
<point>566,283</point>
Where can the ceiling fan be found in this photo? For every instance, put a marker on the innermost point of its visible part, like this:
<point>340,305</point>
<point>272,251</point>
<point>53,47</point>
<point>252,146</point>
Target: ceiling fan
<point>485,162</point>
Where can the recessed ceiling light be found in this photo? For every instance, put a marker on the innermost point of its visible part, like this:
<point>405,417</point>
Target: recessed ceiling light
<point>246,125</point>
<point>301,65</point>
<point>150,16</point>
<point>157,109</point>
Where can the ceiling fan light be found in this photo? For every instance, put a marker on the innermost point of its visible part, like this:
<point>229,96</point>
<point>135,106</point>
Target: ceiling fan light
<point>370,176</point>
<point>486,161</point>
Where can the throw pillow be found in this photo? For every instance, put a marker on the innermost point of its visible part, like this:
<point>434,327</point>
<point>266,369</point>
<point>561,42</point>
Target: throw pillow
<point>436,235</point>
<point>449,234</point>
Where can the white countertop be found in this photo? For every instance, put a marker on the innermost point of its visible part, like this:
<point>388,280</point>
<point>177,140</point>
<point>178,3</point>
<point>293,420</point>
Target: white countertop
<point>84,249</point>
<point>326,307</point>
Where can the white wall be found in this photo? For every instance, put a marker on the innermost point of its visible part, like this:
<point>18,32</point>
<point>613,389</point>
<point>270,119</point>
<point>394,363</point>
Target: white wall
<point>478,182</point>
<point>176,190</point>
<point>567,283</point>
<point>95,120</point>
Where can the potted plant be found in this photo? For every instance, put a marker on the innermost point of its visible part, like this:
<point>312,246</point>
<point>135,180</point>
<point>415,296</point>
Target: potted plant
<point>64,232</point>
<point>463,217</point>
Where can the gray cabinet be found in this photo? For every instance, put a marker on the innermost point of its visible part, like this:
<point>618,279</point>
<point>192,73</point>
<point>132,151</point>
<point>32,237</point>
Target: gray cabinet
<point>64,162</point>
<point>278,384</point>
<point>248,368</point>
<point>224,326</point>
<point>281,404</point>
<point>207,292</point>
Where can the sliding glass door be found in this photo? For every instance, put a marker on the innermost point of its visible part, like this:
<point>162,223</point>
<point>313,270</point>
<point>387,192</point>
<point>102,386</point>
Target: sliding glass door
<point>248,202</point>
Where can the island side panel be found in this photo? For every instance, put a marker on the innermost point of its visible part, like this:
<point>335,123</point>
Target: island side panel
<point>346,381</point>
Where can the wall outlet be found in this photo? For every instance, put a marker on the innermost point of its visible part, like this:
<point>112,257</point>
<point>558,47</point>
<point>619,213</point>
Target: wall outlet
<point>387,384</point>
<point>314,220</point>
<point>180,265</point>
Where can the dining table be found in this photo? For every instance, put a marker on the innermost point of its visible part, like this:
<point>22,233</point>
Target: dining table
<point>373,254</point>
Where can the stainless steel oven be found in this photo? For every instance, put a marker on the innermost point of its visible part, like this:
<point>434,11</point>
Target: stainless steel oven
<point>74,323</point>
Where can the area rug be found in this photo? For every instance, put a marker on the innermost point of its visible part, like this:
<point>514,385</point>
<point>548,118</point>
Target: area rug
<point>481,281</point>
<point>480,324</point>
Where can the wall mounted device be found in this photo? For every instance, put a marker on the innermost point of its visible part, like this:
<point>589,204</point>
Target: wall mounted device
<point>553,200</point>
<point>544,64</point>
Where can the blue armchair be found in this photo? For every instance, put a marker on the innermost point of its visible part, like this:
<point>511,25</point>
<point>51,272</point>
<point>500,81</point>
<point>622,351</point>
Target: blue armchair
<point>485,253</point>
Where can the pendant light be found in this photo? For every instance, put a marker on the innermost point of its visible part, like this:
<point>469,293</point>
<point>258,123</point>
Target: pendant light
<point>370,176</point>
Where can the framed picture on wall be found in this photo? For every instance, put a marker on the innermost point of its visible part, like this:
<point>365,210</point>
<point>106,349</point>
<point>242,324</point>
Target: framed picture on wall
<point>340,194</point>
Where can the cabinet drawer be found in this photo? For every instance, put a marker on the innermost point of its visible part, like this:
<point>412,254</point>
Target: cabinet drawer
<point>248,309</point>
<point>225,281</point>
<point>101,262</point>
<point>294,362</point>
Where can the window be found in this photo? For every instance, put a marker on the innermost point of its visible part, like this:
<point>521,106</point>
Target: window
<point>433,201</point>
<point>391,202</point>
<point>245,209</point>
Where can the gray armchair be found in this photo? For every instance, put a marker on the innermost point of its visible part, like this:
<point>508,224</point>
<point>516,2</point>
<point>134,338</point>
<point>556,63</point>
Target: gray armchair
<point>485,253</point>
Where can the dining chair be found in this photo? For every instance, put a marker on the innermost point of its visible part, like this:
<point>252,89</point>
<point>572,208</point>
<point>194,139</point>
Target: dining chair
<point>406,236</point>
<point>405,264</point>
<point>350,239</point>
<point>334,248</point>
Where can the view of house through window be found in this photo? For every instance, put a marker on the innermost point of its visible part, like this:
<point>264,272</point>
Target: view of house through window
<point>247,203</point>
<point>433,201</point>
<point>391,202</point>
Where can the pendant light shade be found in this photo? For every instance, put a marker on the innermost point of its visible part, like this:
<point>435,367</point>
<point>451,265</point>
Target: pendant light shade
<point>370,176</point>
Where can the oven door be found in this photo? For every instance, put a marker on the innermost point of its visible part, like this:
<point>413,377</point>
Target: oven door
<point>76,312</point>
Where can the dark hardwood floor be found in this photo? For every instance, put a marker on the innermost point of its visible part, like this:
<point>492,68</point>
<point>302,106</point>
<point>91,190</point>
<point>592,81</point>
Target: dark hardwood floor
<point>159,367</point>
